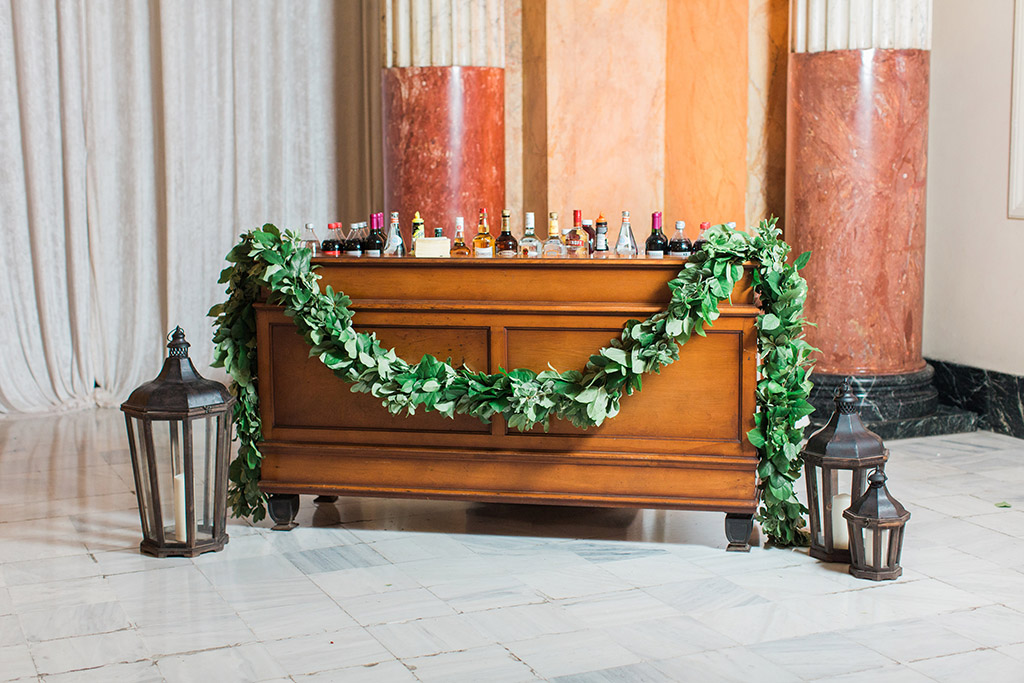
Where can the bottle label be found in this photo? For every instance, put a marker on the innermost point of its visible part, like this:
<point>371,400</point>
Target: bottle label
<point>602,242</point>
<point>655,254</point>
<point>484,253</point>
<point>332,253</point>
<point>507,253</point>
<point>373,252</point>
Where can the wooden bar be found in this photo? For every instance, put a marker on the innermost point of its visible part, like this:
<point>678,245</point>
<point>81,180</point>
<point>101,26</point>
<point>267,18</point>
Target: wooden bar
<point>678,443</point>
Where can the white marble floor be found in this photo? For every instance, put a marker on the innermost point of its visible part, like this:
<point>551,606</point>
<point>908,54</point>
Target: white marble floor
<point>432,591</point>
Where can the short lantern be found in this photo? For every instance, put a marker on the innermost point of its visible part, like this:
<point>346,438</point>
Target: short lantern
<point>876,523</point>
<point>178,432</point>
<point>843,446</point>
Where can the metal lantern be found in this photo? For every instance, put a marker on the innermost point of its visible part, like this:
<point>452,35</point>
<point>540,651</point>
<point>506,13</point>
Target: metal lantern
<point>876,522</point>
<point>178,432</point>
<point>837,459</point>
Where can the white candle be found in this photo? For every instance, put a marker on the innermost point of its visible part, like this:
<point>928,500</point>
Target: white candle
<point>840,533</point>
<point>180,529</point>
<point>869,548</point>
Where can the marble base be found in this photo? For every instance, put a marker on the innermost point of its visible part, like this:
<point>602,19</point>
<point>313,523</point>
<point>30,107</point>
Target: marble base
<point>881,398</point>
<point>945,420</point>
<point>997,397</point>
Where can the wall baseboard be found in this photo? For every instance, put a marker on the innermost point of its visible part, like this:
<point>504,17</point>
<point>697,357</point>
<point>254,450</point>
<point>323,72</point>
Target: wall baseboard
<point>997,397</point>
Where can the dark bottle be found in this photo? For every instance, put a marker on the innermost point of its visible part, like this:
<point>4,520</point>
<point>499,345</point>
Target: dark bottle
<point>601,238</point>
<point>656,245</point>
<point>507,246</point>
<point>332,245</point>
<point>680,246</point>
<point>373,246</point>
<point>699,242</point>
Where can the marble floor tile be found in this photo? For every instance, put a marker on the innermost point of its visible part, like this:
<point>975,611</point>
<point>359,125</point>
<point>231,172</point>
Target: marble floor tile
<point>574,582</point>
<point>820,655</point>
<point>395,606</point>
<point>73,620</point>
<point>486,593</point>
<point>761,622</point>
<point>352,583</point>
<point>39,539</point>
<point>493,664</point>
<point>298,619</point>
<point>16,662</point>
<point>420,547</point>
<point>1015,651</point>
<point>910,641</point>
<point>10,631</point>
<point>704,595</point>
<point>667,637</point>
<point>508,624</point>
<point>614,609</point>
<point>144,671</point>
<point>64,593</point>
<point>430,636</point>
<point>735,664</point>
<point>187,635</point>
<point>962,505</point>
<point>347,647</point>
<point>562,654</point>
<point>992,626</point>
<point>320,560</point>
<point>656,570</point>
<point>896,673</point>
<point>924,598</point>
<point>86,652</point>
<point>382,672</point>
<point>1006,521</point>
<point>979,665</point>
<point>249,662</point>
<point>631,673</point>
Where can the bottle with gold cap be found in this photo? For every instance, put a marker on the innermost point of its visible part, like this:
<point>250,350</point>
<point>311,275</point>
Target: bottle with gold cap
<point>507,245</point>
<point>483,243</point>
<point>553,247</point>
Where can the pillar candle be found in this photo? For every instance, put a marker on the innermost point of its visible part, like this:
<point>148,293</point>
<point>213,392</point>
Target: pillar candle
<point>840,533</point>
<point>180,529</point>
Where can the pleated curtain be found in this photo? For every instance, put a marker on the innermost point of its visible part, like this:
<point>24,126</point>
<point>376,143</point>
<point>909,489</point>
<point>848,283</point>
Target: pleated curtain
<point>137,141</point>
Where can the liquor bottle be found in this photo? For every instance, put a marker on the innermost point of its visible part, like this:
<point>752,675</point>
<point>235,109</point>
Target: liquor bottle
<point>395,246</point>
<point>310,241</point>
<point>332,245</point>
<point>374,244</point>
<point>483,243</point>
<point>417,231</point>
<point>576,239</point>
<point>459,248</point>
<point>438,232</point>
<point>553,247</point>
<point>699,242</point>
<point>588,227</point>
<point>353,245</point>
<point>507,245</point>
<point>679,246</point>
<point>656,244</point>
<point>530,245</point>
<point>601,238</point>
<point>625,245</point>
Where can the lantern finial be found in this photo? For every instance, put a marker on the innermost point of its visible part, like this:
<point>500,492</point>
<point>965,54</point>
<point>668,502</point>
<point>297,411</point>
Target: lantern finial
<point>846,400</point>
<point>177,344</point>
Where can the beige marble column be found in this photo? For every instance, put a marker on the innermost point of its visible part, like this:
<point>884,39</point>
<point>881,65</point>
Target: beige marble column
<point>857,142</point>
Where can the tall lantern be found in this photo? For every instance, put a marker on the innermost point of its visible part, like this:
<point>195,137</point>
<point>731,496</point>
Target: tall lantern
<point>837,459</point>
<point>178,432</point>
<point>876,521</point>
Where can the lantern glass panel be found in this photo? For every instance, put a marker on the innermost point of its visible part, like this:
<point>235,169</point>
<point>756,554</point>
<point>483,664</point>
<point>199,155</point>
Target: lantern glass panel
<point>204,461</point>
<point>169,450</point>
<point>145,494</point>
<point>869,548</point>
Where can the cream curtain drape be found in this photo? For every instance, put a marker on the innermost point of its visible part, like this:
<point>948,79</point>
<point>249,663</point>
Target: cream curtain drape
<point>137,140</point>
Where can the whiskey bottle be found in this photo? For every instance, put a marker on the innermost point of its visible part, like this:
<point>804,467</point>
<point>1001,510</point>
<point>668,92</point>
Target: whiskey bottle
<point>332,245</point>
<point>679,246</point>
<point>394,246</point>
<point>483,243</point>
<point>553,247</point>
<point>700,241</point>
<point>530,245</point>
<point>601,238</point>
<point>507,245</point>
<point>373,247</point>
<point>625,245</point>
<point>656,245</point>
<point>459,248</point>
<point>575,239</point>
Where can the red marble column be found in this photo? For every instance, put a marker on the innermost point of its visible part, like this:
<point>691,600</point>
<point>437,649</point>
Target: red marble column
<point>444,144</point>
<point>856,169</point>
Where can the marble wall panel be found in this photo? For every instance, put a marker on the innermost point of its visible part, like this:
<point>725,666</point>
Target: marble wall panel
<point>997,397</point>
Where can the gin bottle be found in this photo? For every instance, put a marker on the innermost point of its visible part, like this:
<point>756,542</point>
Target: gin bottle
<point>625,245</point>
<point>395,246</point>
<point>553,247</point>
<point>530,245</point>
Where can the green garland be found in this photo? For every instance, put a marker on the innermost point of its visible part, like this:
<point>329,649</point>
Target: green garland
<point>266,258</point>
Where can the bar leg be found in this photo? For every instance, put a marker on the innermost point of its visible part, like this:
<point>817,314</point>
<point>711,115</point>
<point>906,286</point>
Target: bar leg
<point>325,499</point>
<point>283,508</point>
<point>738,529</point>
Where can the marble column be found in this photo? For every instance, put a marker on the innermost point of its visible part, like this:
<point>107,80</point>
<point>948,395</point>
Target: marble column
<point>857,141</point>
<point>443,110</point>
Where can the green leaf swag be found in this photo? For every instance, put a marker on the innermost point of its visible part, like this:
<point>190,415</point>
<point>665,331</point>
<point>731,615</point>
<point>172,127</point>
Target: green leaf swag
<point>267,258</point>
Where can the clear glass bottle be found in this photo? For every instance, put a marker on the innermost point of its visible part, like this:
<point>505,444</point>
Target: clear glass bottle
<point>679,246</point>
<point>553,247</point>
<point>530,245</point>
<point>310,241</point>
<point>656,244</point>
<point>699,242</point>
<point>394,246</point>
<point>507,245</point>
<point>459,248</point>
<point>601,238</point>
<point>625,245</point>
<point>575,239</point>
<point>483,243</point>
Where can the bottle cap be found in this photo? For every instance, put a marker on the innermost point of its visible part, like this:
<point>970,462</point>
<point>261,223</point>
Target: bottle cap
<point>705,225</point>
<point>529,219</point>
<point>460,222</point>
<point>506,213</point>
<point>577,216</point>
<point>416,218</point>
<point>680,225</point>
<point>309,226</point>
<point>394,216</point>
<point>656,220</point>
<point>625,216</point>
<point>553,216</point>
<point>732,224</point>
<point>601,218</point>
<point>588,222</point>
